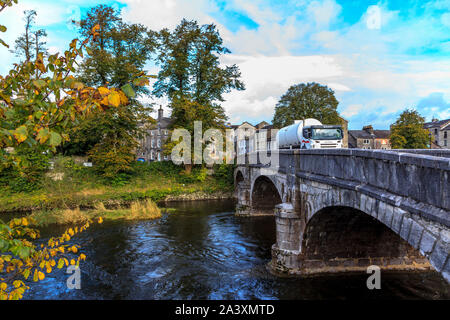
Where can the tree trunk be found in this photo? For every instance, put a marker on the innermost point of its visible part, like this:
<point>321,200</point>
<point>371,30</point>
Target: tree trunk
<point>188,168</point>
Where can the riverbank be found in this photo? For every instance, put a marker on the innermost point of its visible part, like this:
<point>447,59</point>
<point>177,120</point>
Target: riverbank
<point>138,210</point>
<point>69,187</point>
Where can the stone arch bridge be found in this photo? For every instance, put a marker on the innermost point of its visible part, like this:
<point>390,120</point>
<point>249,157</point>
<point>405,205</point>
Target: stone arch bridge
<point>345,209</point>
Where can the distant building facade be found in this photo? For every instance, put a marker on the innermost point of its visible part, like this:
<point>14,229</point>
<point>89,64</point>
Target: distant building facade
<point>241,136</point>
<point>344,124</point>
<point>439,131</point>
<point>151,145</point>
<point>368,138</point>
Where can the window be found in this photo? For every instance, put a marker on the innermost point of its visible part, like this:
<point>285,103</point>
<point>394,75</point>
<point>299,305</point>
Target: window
<point>366,141</point>
<point>445,143</point>
<point>435,132</point>
<point>159,156</point>
<point>445,134</point>
<point>153,143</point>
<point>152,155</point>
<point>166,157</point>
<point>159,143</point>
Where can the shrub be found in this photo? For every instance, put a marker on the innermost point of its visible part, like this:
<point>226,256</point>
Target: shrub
<point>30,175</point>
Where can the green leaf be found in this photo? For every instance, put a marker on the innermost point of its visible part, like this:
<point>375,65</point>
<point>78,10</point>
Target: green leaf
<point>39,83</point>
<point>43,135</point>
<point>140,82</point>
<point>128,90</point>
<point>3,43</point>
<point>55,139</point>
<point>3,28</point>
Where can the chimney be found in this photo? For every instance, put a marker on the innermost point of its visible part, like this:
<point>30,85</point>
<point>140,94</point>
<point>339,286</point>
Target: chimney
<point>160,113</point>
<point>368,129</point>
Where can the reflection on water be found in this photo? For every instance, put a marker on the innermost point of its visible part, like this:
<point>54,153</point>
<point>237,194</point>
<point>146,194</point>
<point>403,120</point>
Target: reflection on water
<point>204,252</point>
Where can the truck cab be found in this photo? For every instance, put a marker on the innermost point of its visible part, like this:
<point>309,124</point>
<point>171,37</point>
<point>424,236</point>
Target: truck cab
<point>322,137</point>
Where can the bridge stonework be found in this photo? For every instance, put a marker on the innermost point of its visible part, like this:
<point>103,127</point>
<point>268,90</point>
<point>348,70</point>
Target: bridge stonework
<point>346,209</point>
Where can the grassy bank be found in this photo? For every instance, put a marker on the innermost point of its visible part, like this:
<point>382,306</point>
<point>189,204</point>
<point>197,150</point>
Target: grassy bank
<point>138,210</point>
<point>70,186</point>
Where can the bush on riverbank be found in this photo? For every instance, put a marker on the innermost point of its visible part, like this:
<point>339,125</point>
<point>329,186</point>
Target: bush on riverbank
<point>71,185</point>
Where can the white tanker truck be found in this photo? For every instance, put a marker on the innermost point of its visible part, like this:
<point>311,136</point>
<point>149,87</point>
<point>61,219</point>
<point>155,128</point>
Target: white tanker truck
<point>310,134</point>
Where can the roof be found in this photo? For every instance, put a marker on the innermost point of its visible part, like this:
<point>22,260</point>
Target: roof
<point>436,124</point>
<point>363,134</point>
<point>262,124</point>
<point>382,134</point>
<point>235,126</point>
<point>165,122</point>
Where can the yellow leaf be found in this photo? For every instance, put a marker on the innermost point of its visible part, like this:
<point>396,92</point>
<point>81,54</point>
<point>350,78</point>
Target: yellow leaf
<point>114,99</point>
<point>41,275</point>
<point>103,91</point>
<point>3,286</point>
<point>21,134</point>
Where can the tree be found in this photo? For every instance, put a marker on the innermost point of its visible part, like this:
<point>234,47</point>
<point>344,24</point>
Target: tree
<point>408,132</point>
<point>117,58</point>
<point>30,44</point>
<point>37,100</point>
<point>39,44</point>
<point>191,75</point>
<point>304,101</point>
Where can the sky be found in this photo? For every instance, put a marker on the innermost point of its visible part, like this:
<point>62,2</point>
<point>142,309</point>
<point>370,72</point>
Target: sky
<point>379,57</point>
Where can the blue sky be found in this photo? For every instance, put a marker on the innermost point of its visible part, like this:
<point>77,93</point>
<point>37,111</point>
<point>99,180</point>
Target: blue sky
<point>378,56</point>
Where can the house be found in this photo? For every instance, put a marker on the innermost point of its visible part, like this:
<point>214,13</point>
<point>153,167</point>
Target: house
<point>241,136</point>
<point>368,138</point>
<point>344,124</point>
<point>439,131</point>
<point>264,138</point>
<point>151,145</point>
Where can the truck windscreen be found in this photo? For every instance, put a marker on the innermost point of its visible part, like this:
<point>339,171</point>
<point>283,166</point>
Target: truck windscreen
<point>326,134</point>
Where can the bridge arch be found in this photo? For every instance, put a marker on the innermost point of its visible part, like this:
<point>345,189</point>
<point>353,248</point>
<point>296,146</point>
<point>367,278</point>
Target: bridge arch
<point>346,233</point>
<point>264,195</point>
<point>238,177</point>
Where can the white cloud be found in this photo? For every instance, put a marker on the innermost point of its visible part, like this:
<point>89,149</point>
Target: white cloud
<point>159,14</point>
<point>324,12</point>
<point>267,78</point>
<point>352,110</point>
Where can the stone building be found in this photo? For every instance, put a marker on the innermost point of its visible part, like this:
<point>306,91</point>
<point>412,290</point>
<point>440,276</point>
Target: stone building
<point>344,124</point>
<point>242,140</point>
<point>368,138</point>
<point>151,145</point>
<point>439,133</point>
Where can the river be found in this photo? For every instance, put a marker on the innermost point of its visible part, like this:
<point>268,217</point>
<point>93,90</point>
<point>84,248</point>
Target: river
<point>202,251</point>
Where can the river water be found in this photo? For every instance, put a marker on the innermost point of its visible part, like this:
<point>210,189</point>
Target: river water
<point>202,251</point>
